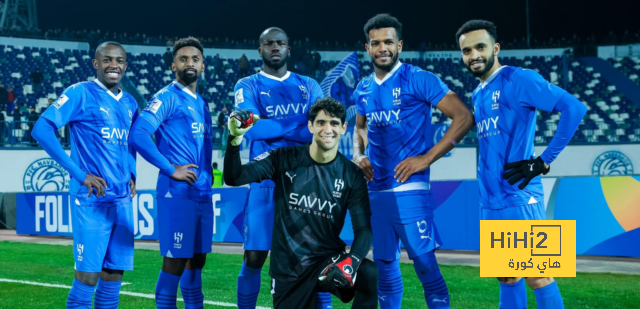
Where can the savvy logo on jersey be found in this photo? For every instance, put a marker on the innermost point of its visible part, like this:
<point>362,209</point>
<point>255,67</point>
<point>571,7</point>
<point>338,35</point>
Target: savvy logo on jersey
<point>383,118</point>
<point>488,127</point>
<point>115,135</point>
<point>284,109</point>
<point>296,199</point>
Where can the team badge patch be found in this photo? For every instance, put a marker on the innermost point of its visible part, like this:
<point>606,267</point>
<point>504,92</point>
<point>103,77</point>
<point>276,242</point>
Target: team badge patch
<point>261,157</point>
<point>154,105</point>
<point>60,101</point>
<point>239,96</point>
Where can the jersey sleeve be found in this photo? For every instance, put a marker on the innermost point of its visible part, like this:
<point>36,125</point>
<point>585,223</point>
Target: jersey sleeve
<point>160,108</point>
<point>359,103</point>
<point>68,107</point>
<point>261,168</point>
<point>531,90</point>
<point>315,91</point>
<point>358,201</point>
<point>245,97</point>
<point>428,87</point>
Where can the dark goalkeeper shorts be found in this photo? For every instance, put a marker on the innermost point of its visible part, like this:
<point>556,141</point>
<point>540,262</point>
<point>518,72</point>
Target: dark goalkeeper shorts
<point>301,293</point>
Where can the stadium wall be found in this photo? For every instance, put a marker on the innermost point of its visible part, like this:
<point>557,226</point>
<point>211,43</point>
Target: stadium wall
<point>58,45</point>
<point>605,209</point>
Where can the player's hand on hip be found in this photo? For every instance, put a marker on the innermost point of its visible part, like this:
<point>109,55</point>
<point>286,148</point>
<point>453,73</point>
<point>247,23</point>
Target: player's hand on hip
<point>342,272</point>
<point>91,182</point>
<point>364,163</point>
<point>525,169</point>
<point>408,166</point>
<point>183,173</point>
<point>240,121</point>
<point>132,187</point>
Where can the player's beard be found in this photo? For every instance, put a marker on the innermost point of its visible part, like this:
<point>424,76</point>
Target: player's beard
<point>487,66</point>
<point>275,65</point>
<point>387,67</point>
<point>188,79</point>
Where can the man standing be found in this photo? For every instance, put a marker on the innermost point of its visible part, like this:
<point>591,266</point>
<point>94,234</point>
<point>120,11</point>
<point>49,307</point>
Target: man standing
<point>282,99</point>
<point>217,176</point>
<point>393,107</point>
<point>505,106</point>
<point>181,122</point>
<point>103,173</point>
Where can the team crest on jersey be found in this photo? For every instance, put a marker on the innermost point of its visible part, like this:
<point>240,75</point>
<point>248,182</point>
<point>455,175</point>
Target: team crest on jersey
<point>261,157</point>
<point>130,114</point>
<point>60,101</point>
<point>495,96</point>
<point>396,95</point>
<point>305,96</point>
<point>154,105</point>
<point>338,184</point>
<point>239,96</point>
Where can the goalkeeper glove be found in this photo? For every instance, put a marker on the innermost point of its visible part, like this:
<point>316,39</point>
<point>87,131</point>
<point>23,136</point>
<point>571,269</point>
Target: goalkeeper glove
<point>240,122</point>
<point>527,169</point>
<point>342,272</point>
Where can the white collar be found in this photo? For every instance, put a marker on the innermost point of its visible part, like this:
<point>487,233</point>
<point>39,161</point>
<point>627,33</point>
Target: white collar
<point>185,89</point>
<point>275,78</point>
<point>116,97</point>
<point>379,82</point>
<point>491,77</point>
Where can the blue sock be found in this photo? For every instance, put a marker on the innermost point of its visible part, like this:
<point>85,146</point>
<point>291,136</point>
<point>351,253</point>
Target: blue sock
<point>80,295</point>
<point>389,284</point>
<point>248,287</point>
<point>435,289</point>
<point>548,297</point>
<point>323,301</point>
<point>107,294</point>
<point>167,290</point>
<point>513,296</point>
<point>191,287</point>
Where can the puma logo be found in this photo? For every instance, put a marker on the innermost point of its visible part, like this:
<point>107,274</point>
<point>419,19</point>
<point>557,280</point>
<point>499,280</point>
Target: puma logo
<point>105,110</point>
<point>531,167</point>
<point>435,300</point>
<point>425,237</point>
<point>267,93</point>
<point>191,108</point>
<point>335,259</point>
<point>290,176</point>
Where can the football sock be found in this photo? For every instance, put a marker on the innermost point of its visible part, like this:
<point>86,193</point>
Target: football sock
<point>107,294</point>
<point>435,289</point>
<point>323,301</point>
<point>248,287</point>
<point>80,295</point>
<point>513,296</point>
<point>389,284</point>
<point>167,290</point>
<point>548,297</point>
<point>191,288</point>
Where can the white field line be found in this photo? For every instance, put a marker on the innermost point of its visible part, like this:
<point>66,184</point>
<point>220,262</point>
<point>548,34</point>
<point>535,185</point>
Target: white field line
<point>150,296</point>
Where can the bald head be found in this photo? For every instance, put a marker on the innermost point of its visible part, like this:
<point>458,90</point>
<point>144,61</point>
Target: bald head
<point>110,64</point>
<point>272,30</point>
<point>109,44</point>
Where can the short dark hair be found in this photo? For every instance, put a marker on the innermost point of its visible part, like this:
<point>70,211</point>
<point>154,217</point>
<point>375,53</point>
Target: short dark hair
<point>330,106</point>
<point>107,43</point>
<point>188,41</point>
<point>383,21</point>
<point>478,24</point>
<point>214,165</point>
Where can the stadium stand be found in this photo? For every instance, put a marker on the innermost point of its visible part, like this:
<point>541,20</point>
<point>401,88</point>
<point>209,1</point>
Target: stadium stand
<point>611,117</point>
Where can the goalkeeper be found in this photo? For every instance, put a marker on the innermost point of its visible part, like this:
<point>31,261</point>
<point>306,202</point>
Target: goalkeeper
<point>315,186</point>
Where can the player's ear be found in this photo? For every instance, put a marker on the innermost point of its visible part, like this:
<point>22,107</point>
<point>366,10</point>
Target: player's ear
<point>95,63</point>
<point>496,49</point>
<point>173,67</point>
<point>310,126</point>
<point>400,43</point>
<point>344,128</point>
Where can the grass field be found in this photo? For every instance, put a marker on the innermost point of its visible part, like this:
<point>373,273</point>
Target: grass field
<point>54,265</point>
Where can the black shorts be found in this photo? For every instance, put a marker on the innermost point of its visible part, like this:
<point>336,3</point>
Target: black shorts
<point>301,293</point>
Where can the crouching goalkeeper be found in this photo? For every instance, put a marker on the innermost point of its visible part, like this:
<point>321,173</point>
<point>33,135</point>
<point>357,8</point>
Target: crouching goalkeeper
<point>315,186</point>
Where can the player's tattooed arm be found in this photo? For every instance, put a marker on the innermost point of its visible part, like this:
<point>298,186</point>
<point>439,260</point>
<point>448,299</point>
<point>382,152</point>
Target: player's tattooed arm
<point>462,123</point>
<point>360,142</point>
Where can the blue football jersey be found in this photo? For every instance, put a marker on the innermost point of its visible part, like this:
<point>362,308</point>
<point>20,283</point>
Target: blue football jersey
<point>505,113</point>
<point>398,111</point>
<point>183,136</point>
<point>275,98</point>
<point>99,124</point>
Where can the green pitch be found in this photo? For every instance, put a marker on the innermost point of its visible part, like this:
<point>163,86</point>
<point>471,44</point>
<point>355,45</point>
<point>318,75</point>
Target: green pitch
<point>53,264</point>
